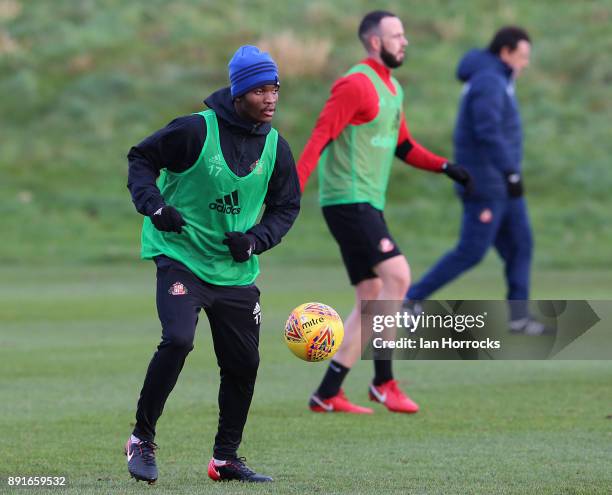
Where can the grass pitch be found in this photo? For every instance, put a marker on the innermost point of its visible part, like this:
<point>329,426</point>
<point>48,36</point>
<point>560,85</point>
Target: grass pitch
<point>75,342</point>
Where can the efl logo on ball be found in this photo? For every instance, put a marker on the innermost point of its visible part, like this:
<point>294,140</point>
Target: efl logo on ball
<point>314,331</point>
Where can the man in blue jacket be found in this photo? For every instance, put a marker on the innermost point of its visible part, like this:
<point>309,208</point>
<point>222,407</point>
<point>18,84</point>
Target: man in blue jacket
<point>488,142</point>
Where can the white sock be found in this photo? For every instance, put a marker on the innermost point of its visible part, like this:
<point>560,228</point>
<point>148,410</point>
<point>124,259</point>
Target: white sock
<point>134,439</point>
<point>218,462</point>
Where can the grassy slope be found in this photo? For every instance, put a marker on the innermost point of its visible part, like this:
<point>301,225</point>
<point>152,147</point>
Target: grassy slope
<point>89,79</point>
<point>71,365</point>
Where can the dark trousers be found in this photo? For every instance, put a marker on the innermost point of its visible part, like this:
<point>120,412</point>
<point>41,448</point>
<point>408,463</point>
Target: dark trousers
<point>234,316</point>
<point>508,229</point>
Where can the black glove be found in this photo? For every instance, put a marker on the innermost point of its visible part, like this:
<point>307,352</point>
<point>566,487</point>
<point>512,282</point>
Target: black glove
<point>168,219</point>
<point>240,245</point>
<point>458,174</point>
<point>514,183</point>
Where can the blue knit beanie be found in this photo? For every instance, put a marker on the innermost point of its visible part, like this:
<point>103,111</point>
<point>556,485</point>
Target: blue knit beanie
<point>251,68</point>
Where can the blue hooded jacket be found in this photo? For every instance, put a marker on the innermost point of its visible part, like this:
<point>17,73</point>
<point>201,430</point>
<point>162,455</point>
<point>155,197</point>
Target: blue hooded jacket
<point>488,136</point>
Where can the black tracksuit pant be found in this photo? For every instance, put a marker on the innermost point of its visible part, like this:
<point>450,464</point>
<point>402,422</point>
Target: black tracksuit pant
<point>234,316</point>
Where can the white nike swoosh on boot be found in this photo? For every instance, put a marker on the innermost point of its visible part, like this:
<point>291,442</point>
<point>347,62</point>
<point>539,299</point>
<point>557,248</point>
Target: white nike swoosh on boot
<point>381,397</point>
<point>327,407</point>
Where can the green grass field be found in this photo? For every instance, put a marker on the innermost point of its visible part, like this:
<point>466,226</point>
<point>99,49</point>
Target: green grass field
<point>75,342</point>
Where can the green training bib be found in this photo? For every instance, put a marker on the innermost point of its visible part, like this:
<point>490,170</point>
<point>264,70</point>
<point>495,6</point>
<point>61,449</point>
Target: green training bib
<point>355,167</point>
<point>212,200</point>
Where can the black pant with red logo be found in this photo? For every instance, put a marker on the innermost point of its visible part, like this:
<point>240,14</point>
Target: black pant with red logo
<point>234,316</point>
<point>363,237</point>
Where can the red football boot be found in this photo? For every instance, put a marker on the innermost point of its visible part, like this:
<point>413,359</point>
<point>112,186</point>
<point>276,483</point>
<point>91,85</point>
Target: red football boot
<point>236,469</point>
<point>390,395</point>
<point>337,403</point>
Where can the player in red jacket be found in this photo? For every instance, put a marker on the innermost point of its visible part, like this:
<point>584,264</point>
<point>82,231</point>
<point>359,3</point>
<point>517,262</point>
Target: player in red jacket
<point>359,131</point>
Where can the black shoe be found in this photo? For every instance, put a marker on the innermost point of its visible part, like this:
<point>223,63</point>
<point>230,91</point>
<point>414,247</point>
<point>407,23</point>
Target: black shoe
<point>412,308</point>
<point>236,469</point>
<point>530,326</point>
<point>141,460</point>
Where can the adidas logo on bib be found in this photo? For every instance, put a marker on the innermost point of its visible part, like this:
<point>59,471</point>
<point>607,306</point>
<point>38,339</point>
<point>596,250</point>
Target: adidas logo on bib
<point>227,205</point>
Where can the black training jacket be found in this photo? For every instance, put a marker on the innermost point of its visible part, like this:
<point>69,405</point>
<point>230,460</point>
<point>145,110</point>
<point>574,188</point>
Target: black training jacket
<point>177,147</point>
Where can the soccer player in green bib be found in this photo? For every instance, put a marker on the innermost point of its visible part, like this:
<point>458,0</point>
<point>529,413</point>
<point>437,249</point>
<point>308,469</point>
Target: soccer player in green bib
<point>201,183</point>
<point>359,132</point>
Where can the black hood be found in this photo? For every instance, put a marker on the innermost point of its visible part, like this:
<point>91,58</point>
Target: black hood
<point>222,104</point>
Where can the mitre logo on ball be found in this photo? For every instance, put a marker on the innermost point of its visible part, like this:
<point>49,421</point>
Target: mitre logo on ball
<point>314,331</point>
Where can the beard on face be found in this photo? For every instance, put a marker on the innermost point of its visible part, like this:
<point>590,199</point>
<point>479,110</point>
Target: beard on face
<point>390,60</point>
